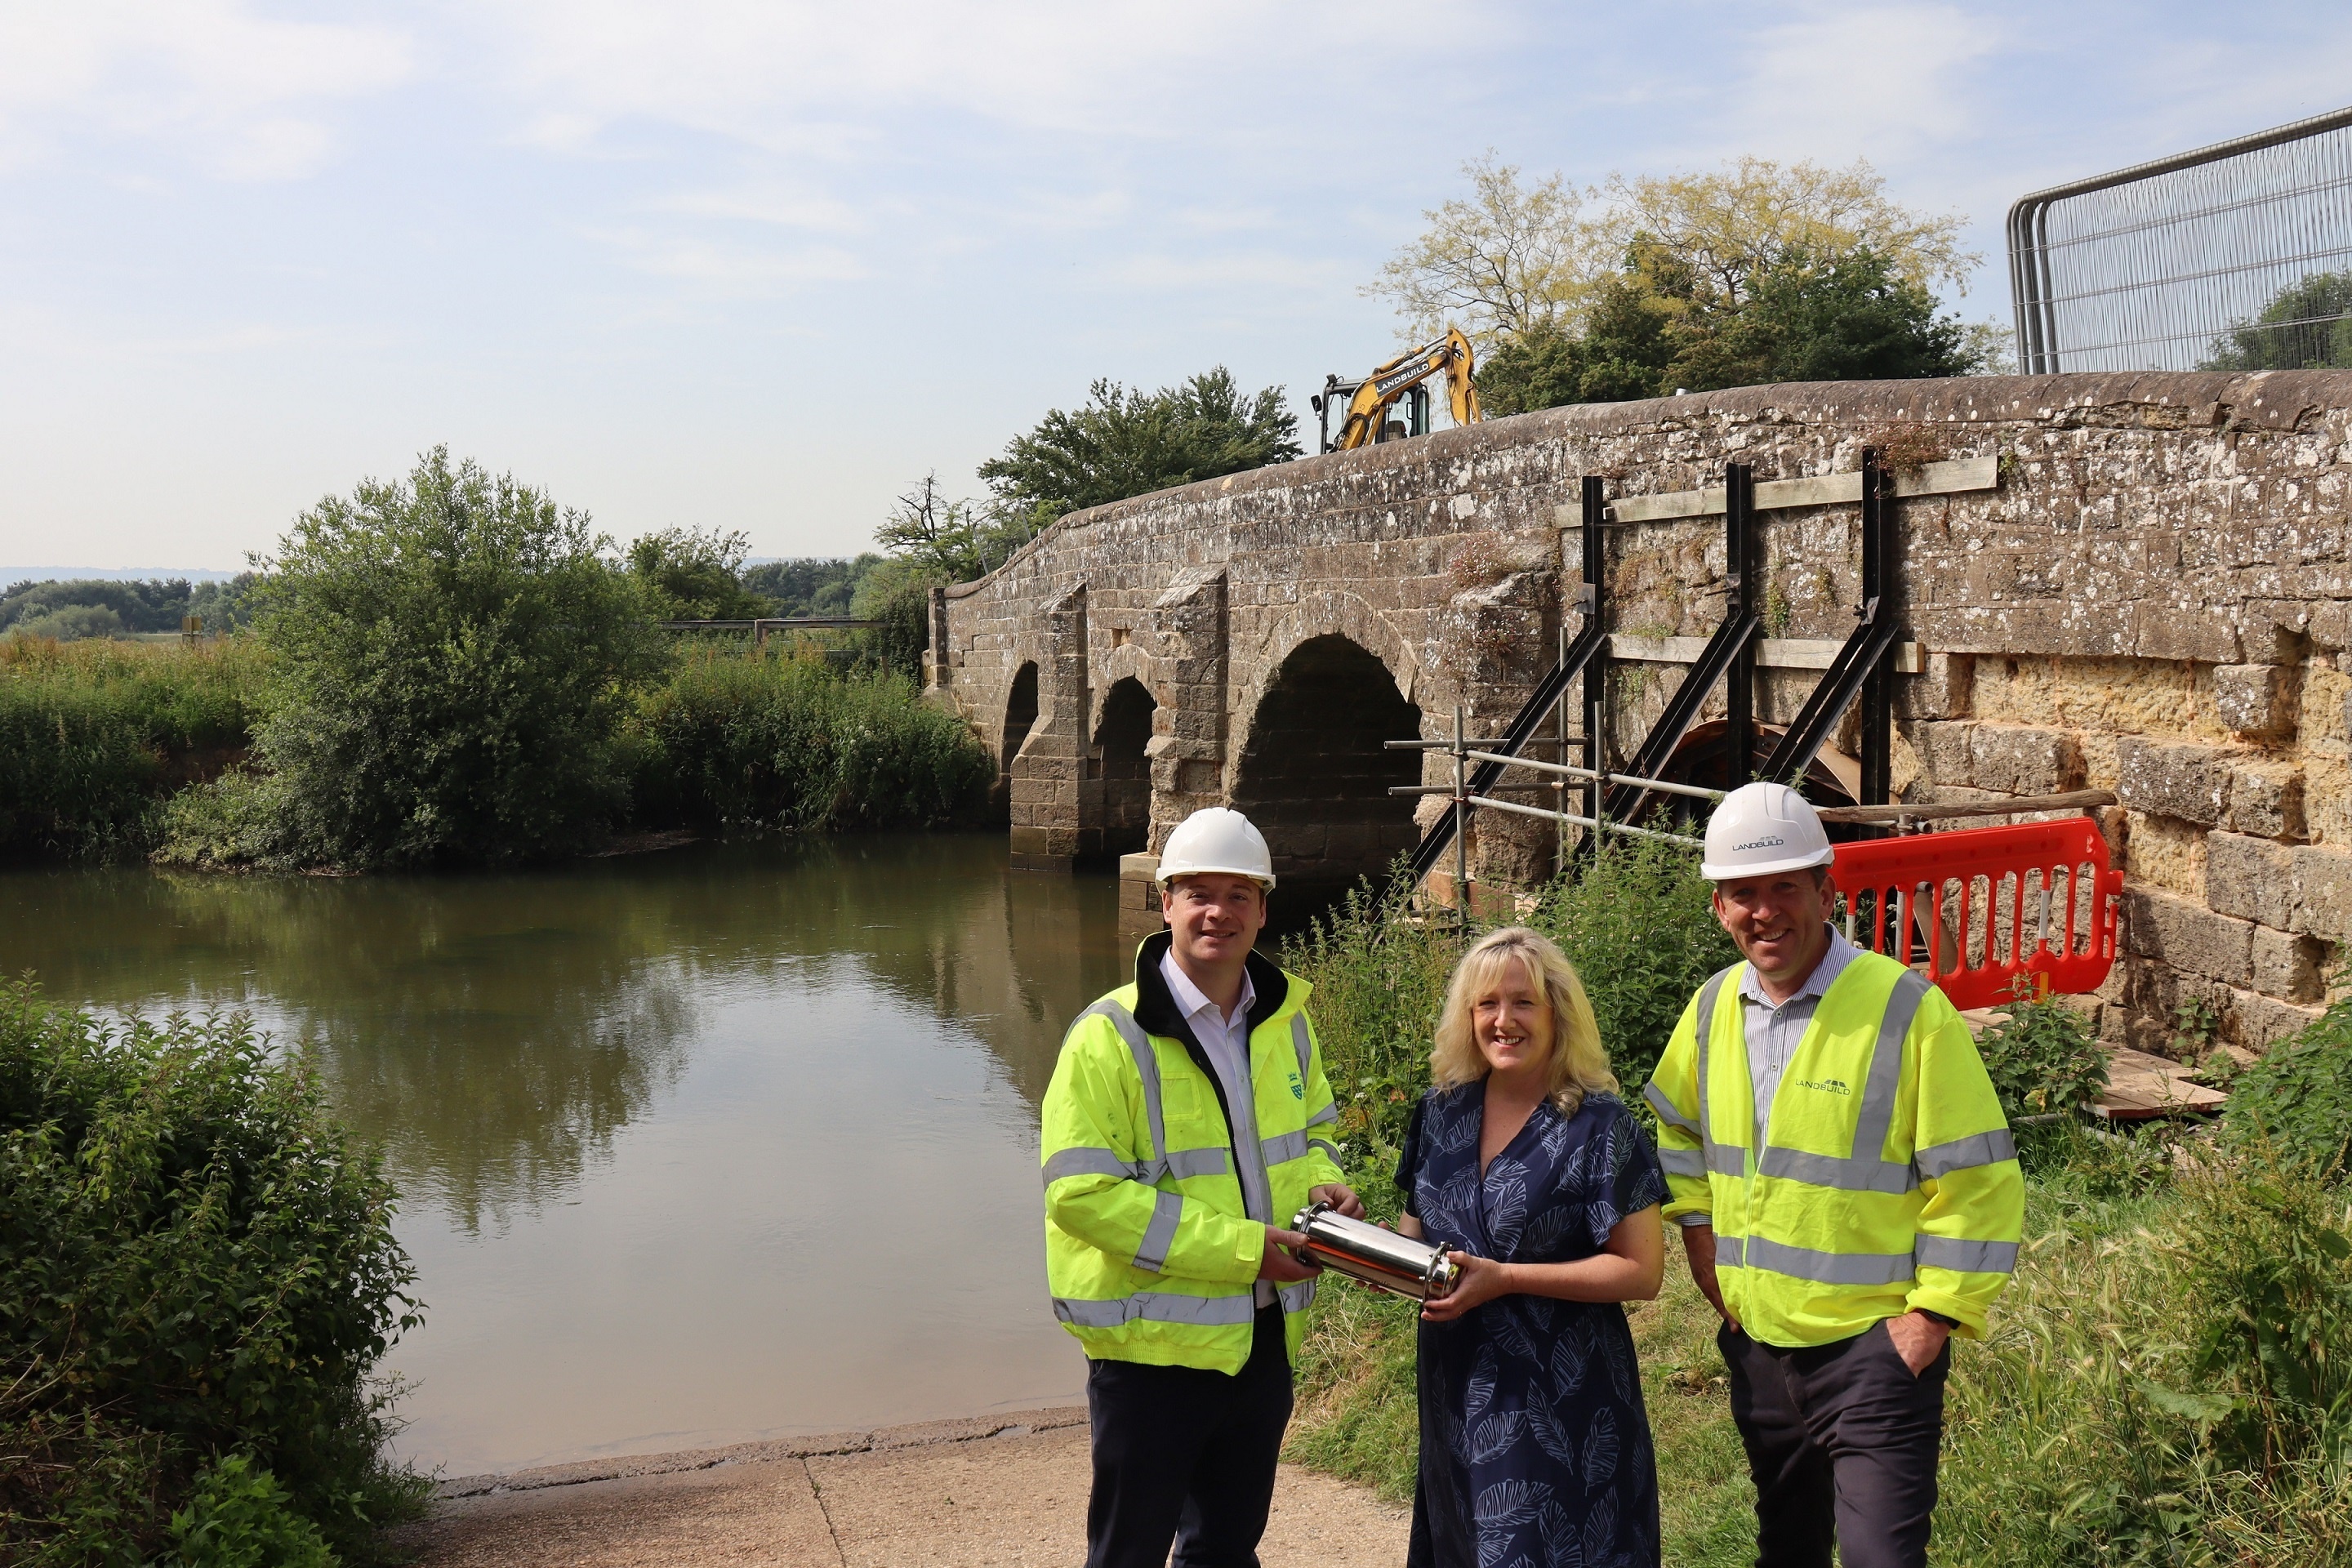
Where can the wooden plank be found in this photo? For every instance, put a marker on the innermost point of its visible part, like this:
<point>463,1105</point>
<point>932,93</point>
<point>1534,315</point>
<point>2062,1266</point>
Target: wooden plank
<point>1771,652</point>
<point>2072,800</point>
<point>2140,1086</point>
<point>1955,478</point>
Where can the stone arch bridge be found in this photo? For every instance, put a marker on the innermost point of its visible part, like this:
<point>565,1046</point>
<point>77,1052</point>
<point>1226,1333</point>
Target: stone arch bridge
<point>2136,581</point>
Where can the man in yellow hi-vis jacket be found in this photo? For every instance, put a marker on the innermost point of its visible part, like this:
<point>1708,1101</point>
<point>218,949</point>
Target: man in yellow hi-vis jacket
<point>1187,1121</point>
<point>1848,1192</point>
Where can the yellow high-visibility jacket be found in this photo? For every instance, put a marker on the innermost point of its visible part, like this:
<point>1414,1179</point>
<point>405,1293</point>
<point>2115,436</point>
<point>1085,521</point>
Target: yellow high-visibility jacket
<point>1886,1181</point>
<point>1150,1252</point>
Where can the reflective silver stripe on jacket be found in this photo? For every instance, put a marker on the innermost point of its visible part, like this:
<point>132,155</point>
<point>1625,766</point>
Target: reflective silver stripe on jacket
<point>1966,1153</point>
<point>1306,1046</point>
<point>1810,1263</point>
<point>1283,1146</point>
<point>1327,1146</point>
<point>1166,1208</point>
<point>1967,1257</point>
<point>1736,1164</point>
<point>1866,1268</point>
<point>1082,1162</point>
<point>1683,1163</point>
<point>1157,1306</point>
<point>1667,1111</point>
<point>1299,1297</point>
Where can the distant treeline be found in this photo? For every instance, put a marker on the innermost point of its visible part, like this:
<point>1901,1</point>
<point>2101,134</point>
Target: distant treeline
<point>69,609</point>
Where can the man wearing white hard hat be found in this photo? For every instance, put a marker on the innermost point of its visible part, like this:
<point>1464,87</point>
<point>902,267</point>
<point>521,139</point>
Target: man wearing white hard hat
<point>1187,1121</point>
<point>1848,1192</point>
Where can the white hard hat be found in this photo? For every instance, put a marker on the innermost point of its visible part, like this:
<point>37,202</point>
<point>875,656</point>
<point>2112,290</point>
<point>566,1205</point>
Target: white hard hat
<point>1761,829</point>
<point>1217,838</point>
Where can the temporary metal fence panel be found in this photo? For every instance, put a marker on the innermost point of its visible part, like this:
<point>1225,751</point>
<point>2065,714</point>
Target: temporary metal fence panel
<point>2234,257</point>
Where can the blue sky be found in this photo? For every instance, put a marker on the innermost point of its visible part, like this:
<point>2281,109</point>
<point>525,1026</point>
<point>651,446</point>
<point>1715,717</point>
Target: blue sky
<point>761,265</point>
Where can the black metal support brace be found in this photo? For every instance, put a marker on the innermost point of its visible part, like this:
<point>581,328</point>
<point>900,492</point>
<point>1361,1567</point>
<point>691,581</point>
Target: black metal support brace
<point>1580,656</point>
<point>1725,651</point>
<point>1864,665</point>
<point>1596,668</point>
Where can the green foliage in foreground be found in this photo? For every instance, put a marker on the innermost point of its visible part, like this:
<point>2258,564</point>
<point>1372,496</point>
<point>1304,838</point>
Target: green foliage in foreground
<point>2165,1383</point>
<point>93,734</point>
<point>732,744</point>
<point>2042,1059</point>
<point>2297,1100</point>
<point>194,1265</point>
<point>2169,1377</point>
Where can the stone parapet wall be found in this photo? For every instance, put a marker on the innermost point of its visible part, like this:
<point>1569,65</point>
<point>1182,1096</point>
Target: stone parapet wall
<point>2155,598</point>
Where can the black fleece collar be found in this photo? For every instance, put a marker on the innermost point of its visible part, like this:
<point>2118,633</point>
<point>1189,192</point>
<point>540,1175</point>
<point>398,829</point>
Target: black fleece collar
<point>1156,1010</point>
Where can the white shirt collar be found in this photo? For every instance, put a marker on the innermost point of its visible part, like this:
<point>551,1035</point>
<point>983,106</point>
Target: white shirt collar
<point>1191,999</point>
<point>1840,953</point>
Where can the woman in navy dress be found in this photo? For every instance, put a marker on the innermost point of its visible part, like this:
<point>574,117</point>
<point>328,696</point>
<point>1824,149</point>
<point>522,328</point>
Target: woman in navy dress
<point>1523,1163</point>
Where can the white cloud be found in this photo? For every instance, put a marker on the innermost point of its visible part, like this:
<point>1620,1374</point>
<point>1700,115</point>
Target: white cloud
<point>1843,81</point>
<point>242,95</point>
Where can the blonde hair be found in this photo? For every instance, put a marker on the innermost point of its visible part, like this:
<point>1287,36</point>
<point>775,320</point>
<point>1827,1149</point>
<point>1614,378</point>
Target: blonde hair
<point>1577,1065</point>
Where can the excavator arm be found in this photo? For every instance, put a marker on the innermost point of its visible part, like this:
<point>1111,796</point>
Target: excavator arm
<point>1448,356</point>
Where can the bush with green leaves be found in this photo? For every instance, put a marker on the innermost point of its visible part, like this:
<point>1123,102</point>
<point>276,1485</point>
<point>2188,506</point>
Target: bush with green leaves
<point>194,1263</point>
<point>732,744</point>
<point>240,1517</point>
<point>2042,1058</point>
<point>452,657</point>
<point>2297,1100</point>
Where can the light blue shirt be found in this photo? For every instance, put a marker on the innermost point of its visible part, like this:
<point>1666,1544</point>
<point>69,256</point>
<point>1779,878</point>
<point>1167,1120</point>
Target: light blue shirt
<point>1773,1031</point>
<point>1226,1039</point>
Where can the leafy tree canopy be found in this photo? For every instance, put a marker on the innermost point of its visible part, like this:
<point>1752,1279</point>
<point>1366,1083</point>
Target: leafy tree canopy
<point>2308,326</point>
<point>696,574</point>
<point>452,654</point>
<point>809,585</point>
<point>1123,443</point>
<point>1511,257</point>
<point>1661,324</point>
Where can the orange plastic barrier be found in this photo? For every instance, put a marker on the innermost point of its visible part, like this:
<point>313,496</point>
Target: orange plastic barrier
<point>2032,897</point>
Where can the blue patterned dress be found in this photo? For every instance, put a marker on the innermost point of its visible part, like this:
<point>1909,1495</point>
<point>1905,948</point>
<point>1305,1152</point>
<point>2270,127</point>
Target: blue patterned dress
<point>1534,1447</point>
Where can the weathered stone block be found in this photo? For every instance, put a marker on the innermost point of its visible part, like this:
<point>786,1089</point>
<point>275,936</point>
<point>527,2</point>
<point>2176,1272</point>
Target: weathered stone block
<point>2250,878</point>
<point>2255,1021</point>
<point>1943,753</point>
<point>2254,698</point>
<point>2290,968</point>
<point>2191,783</point>
<point>2198,940</point>
<point>2265,799</point>
<point>2018,759</point>
<point>1941,690</point>
<point>2322,893</point>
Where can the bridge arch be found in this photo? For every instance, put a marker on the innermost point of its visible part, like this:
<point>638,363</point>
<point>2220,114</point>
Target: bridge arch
<point>1315,770</point>
<point>1119,771</point>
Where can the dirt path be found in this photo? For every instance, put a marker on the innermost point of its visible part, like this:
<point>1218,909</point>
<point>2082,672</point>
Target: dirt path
<point>966,1494</point>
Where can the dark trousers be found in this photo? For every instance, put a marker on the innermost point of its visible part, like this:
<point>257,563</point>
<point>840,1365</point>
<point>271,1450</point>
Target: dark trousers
<point>1186,1456</point>
<point>1841,1439</point>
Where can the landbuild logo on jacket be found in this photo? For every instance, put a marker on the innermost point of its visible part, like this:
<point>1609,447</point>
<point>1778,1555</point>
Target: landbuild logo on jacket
<point>1826,1084</point>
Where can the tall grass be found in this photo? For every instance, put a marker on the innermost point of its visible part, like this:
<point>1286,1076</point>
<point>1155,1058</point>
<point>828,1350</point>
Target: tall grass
<point>729,744</point>
<point>92,734</point>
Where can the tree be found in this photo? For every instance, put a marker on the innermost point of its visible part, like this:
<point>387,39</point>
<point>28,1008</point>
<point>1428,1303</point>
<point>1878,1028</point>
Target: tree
<point>452,656</point>
<point>1662,325</point>
<point>2308,326</point>
<point>1124,443</point>
<point>696,574</point>
<point>950,541</point>
<point>1505,260</point>
<point>1511,260</point>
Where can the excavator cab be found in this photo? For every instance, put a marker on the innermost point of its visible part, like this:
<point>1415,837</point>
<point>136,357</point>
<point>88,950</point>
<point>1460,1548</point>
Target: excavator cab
<point>1366,409</point>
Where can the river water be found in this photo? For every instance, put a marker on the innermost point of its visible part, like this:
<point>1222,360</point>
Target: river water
<point>723,1143</point>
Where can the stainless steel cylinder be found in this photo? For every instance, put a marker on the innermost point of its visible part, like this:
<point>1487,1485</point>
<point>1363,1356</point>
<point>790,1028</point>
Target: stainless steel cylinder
<point>1360,1250</point>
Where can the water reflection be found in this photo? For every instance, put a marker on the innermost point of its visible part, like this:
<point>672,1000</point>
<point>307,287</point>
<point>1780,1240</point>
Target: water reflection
<point>719,1064</point>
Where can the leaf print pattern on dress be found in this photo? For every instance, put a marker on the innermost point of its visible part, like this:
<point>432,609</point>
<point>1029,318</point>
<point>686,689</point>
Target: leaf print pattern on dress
<point>1601,1531</point>
<point>1507,1505</point>
<point>1507,1203</point>
<point>1486,1440</point>
<point>1563,1547</point>
<point>1551,1436</point>
<point>1600,1451</point>
<point>1571,1355</point>
<point>1480,1390</point>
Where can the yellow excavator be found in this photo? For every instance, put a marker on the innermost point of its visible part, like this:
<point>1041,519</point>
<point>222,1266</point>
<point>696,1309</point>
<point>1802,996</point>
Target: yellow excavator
<point>1367,402</point>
